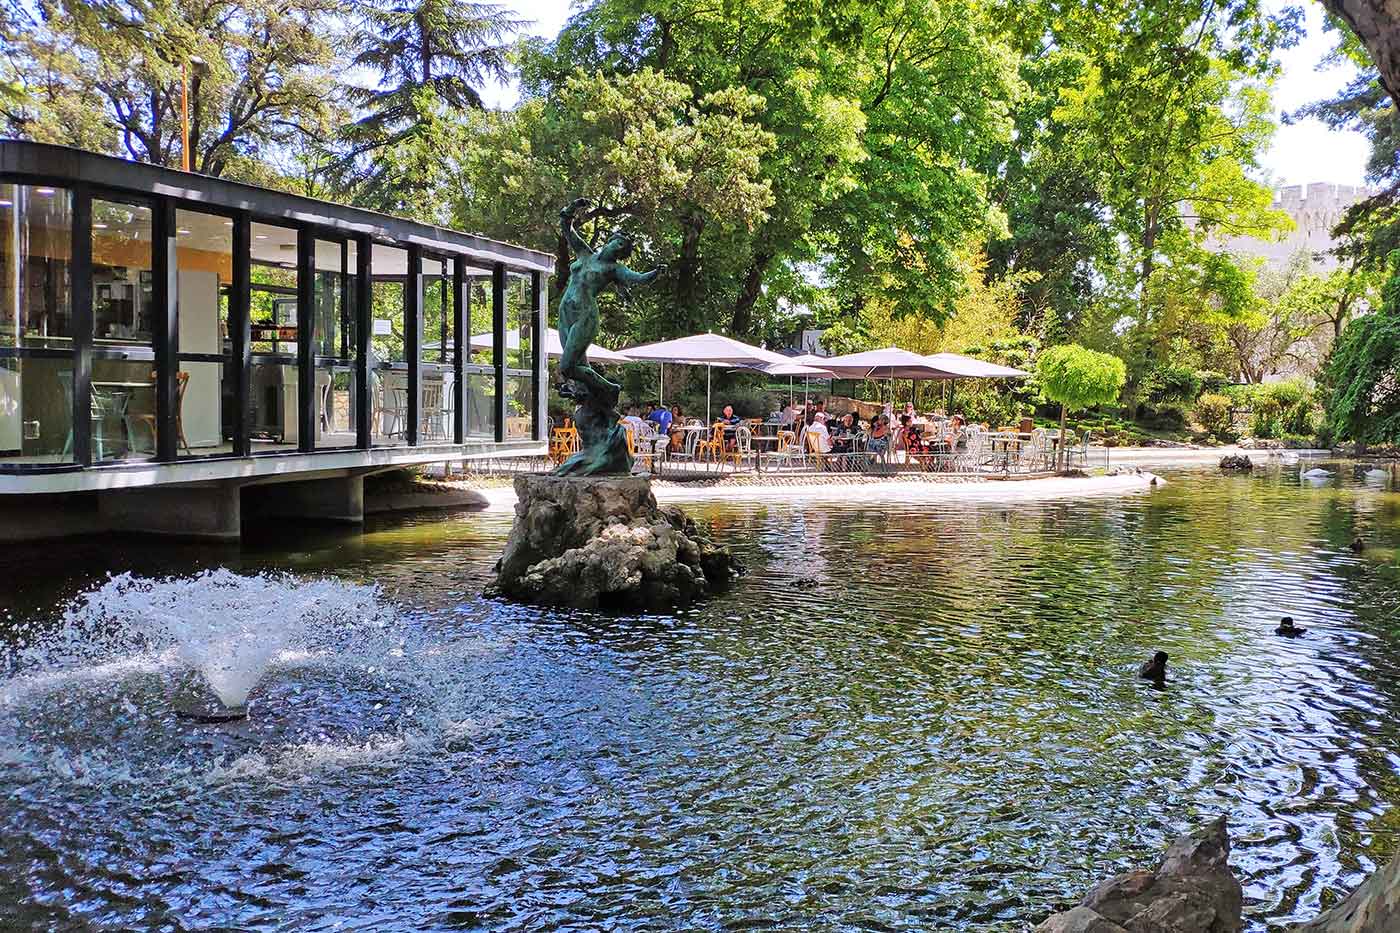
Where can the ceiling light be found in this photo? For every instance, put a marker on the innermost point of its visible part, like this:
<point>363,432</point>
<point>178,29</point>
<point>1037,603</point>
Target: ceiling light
<point>6,202</point>
<point>228,223</point>
<point>260,236</point>
<point>183,232</point>
<point>99,226</point>
<point>43,192</point>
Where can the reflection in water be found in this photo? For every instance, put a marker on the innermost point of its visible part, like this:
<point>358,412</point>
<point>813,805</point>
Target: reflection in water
<point>947,732</point>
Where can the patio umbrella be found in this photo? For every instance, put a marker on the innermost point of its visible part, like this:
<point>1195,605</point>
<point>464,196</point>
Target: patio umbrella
<point>706,350</point>
<point>965,367</point>
<point>793,368</point>
<point>885,363</point>
<point>554,348</point>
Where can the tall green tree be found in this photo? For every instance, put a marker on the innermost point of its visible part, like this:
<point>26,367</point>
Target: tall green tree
<point>651,158</point>
<point>107,75</point>
<point>431,57</point>
<point>879,112</point>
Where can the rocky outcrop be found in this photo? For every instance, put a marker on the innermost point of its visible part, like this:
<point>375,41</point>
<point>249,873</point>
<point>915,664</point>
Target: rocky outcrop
<point>1372,908</point>
<point>1191,891</point>
<point>604,542</point>
<point>1236,463</point>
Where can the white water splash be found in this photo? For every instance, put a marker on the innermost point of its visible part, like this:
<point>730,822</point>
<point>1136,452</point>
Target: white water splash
<point>226,626</point>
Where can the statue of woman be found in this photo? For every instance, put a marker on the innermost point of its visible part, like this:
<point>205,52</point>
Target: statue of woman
<point>604,442</point>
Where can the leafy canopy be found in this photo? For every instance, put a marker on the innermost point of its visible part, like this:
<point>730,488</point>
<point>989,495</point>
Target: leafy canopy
<point>1079,378</point>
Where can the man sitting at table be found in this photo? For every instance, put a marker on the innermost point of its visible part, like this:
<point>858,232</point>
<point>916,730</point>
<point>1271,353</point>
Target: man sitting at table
<point>816,429</point>
<point>633,420</point>
<point>730,422</point>
<point>661,418</point>
<point>820,410</point>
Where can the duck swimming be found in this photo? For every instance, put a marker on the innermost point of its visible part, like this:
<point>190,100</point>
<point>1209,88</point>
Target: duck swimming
<point>1155,669</point>
<point>1287,629</point>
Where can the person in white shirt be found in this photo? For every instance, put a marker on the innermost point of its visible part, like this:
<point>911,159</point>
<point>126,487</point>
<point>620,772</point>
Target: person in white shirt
<point>818,429</point>
<point>634,421</point>
<point>787,416</point>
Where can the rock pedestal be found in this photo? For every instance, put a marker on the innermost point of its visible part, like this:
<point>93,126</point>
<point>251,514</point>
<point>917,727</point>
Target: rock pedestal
<point>1192,891</point>
<point>602,541</point>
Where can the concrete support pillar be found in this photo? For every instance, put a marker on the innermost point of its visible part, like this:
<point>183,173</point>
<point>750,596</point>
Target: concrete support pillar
<point>205,511</point>
<point>335,499</point>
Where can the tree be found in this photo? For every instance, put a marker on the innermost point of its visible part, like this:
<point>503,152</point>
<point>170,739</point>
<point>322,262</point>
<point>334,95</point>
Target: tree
<point>879,111</point>
<point>1363,374</point>
<point>652,158</point>
<point>431,57</point>
<point>107,75</point>
<point>1078,378</point>
<point>1377,24</point>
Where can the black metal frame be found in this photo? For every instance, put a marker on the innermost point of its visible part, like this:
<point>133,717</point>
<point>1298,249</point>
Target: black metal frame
<point>87,176</point>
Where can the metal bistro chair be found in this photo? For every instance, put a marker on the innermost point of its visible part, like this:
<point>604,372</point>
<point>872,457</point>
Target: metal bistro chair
<point>430,422</point>
<point>743,446</point>
<point>103,409</point>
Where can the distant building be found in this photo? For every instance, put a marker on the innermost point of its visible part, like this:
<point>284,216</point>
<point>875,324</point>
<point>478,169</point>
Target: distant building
<point>1315,208</point>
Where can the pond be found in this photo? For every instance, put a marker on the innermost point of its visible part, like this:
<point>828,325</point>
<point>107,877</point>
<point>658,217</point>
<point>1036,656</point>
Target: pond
<point>910,716</point>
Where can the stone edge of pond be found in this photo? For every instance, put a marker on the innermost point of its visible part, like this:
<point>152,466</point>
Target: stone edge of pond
<point>893,490</point>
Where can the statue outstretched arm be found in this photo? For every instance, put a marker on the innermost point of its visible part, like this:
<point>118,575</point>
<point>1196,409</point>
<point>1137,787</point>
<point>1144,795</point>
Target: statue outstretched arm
<point>566,224</point>
<point>627,276</point>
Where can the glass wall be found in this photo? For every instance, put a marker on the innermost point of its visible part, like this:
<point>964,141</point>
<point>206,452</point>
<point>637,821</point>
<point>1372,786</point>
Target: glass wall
<point>36,321</point>
<point>479,382</point>
<point>272,316</point>
<point>123,332</point>
<point>388,360</point>
<point>206,386</point>
<point>333,333</point>
<point>436,381</point>
<point>520,350</point>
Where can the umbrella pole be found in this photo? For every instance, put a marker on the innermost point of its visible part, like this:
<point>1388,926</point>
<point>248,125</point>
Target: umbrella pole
<point>661,392</point>
<point>708,413</point>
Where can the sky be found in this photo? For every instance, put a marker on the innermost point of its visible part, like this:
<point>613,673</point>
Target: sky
<point>1301,153</point>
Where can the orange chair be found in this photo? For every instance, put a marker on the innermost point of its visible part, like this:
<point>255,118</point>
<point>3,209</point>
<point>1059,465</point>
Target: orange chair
<point>182,382</point>
<point>563,444</point>
<point>714,447</point>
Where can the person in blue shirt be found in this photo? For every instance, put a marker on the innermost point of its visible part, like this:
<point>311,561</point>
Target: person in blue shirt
<point>661,418</point>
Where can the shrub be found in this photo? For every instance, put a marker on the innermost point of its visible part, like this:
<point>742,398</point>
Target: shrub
<point>1364,373</point>
<point>1265,421</point>
<point>1213,412</point>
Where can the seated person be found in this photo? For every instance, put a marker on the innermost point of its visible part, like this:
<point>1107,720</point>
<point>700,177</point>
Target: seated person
<point>677,431</point>
<point>843,434</point>
<point>911,437</point>
<point>634,421</point>
<point>661,418</point>
<point>787,416</point>
<point>955,426</point>
<point>819,408</point>
<point>730,422</point>
<point>879,435</point>
<point>817,429</point>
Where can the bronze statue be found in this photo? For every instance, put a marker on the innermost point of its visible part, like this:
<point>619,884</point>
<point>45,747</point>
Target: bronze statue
<point>603,440</point>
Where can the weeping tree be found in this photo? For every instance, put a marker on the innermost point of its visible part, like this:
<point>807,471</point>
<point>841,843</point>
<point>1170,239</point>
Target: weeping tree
<point>1078,378</point>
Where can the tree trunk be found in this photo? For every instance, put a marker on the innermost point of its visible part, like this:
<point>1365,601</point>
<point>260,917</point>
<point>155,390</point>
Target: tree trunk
<point>1060,447</point>
<point>748,294</point>
<point>560,280</point>
<point>688,266</point>
<point>1377,24</point>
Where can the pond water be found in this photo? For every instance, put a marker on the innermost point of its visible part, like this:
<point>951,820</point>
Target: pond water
<point>906,717</point>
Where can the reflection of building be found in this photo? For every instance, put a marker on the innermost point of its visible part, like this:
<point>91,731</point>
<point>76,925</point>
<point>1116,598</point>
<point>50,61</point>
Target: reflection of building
<point>169,340</point>
<point>1315,209</point>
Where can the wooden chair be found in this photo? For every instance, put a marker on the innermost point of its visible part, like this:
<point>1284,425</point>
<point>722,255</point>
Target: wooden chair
<point>814,450</point>
<point>714,447</point>
<point>182,382</point>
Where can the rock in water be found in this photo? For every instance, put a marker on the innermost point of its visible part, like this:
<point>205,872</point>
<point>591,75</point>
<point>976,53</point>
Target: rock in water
<point>1372,908</point>
<point>602,541</point>
<point>1236,463</point>
<point>1192,891</point>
